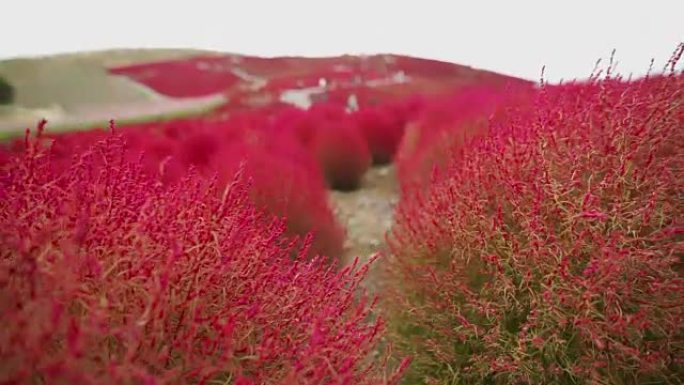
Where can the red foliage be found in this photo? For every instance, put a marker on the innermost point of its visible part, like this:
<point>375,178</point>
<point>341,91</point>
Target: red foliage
<point>310,80</point>
<point>286,179</point>
<point>444,124</point>
<point>286,182</point>
<point>342,153</point>
<point>550,250</point>
<point>297,122</point>
<point>383,129</point>
<point>327,112</point>
<point>106,277</point>
<point>428,67</point>
<point>333,138</point>
<point>268,67</point>
<point>198,76</point>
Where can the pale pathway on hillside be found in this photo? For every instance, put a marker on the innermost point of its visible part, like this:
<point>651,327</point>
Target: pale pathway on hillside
<point>367,213</point>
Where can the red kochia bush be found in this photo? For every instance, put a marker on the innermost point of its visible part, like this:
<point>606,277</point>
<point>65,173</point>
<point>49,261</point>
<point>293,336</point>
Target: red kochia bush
<point>286,182</point>
<point>382,128</point>
<point>333,138</point>
<point>107,277</point>
<point>197,76</point>
<point>296,122</point>
<point>550,252</point>
<point>446,123</point>
<point>342,153</point>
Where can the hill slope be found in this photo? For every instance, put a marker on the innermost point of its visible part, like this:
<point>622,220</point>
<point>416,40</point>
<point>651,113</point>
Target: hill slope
<point>87,89</point>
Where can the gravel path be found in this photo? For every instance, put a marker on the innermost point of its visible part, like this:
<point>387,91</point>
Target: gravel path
<point>367,213</point>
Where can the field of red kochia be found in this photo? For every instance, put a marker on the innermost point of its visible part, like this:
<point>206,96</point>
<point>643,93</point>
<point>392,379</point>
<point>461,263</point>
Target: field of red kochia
<point>537,240</point>
<point>549,250</point>
<point>200,76</point>
<point>111,277</point>
<point>289,155</point>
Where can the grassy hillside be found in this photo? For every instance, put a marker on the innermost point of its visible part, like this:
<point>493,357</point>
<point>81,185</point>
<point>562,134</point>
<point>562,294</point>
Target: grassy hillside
<point>75,91</point>
<point>40,83</point>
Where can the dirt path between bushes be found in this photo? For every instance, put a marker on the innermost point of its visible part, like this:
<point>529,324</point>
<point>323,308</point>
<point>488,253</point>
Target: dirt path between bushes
<point>367,213</point>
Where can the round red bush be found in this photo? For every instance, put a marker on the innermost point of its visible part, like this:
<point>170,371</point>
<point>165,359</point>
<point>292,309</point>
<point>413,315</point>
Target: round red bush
<point>443,125</point>
<point>382,128</point>
<point>298,123</point>
<point>286,181</point>
<point>342,154</point>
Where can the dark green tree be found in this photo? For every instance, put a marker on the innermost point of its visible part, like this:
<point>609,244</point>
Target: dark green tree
<point>6,92</point>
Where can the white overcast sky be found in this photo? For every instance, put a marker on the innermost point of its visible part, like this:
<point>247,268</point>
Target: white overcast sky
<point>514,37</point>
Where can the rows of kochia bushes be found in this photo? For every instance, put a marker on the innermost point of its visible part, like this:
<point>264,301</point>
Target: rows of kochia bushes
<point>109,277</point>
<point>291,156</point>
<point>537,240</point>
<point>549,251</point>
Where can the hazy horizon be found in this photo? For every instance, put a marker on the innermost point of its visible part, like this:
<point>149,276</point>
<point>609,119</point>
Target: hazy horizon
<point>511,38</point>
